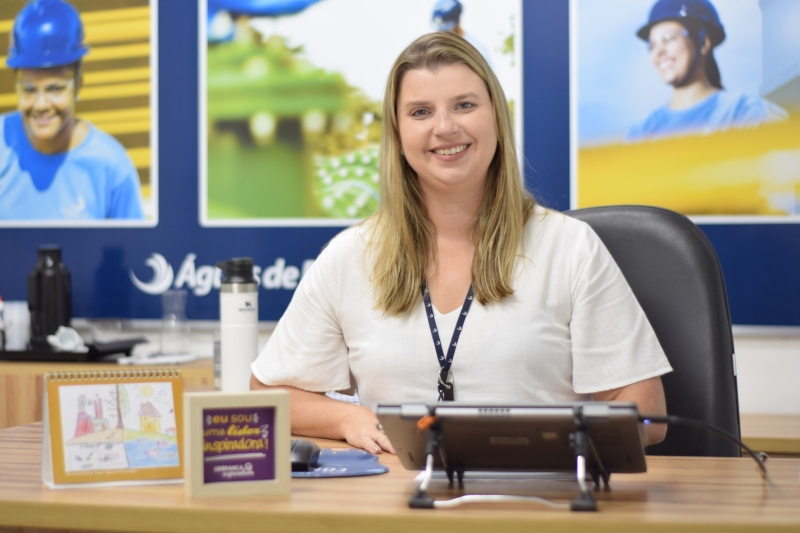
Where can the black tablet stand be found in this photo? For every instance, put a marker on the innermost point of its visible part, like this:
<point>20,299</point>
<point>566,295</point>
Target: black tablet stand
<point>579,441</point>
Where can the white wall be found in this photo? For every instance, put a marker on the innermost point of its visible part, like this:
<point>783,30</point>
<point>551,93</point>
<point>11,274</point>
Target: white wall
<point>769,372</point>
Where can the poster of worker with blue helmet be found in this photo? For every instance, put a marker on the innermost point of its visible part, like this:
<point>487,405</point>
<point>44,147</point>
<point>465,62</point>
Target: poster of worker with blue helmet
<point>77,113</point>
<point>291,99</point>
<point>692,105</point>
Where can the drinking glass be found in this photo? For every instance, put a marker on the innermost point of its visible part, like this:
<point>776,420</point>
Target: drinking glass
<point>175,333</point>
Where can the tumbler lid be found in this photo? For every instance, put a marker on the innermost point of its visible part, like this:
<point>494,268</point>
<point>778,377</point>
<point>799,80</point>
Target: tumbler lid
<point>237,270</point>
<point>53,251</point>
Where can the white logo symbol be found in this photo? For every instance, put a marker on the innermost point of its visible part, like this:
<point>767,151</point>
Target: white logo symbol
<point>162,276</point>
<point>464,313</point>
<point>75,209</point>
<point>469,297</point>
<point>454,344</point>
<point>434,330</point>
<point>438,343</point>
<point>430,316</point>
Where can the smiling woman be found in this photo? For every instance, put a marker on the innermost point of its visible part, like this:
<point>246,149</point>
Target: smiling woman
<point>538,310</point>
<point>681,36</point>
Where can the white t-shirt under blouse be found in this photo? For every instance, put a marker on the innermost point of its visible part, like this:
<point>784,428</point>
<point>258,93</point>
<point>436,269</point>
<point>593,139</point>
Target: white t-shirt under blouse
<point>571,328</point>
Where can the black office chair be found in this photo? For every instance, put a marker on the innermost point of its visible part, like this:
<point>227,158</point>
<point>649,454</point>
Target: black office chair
<point>676,276</point>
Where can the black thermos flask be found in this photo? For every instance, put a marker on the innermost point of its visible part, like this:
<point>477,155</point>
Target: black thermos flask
<point>49,296</point>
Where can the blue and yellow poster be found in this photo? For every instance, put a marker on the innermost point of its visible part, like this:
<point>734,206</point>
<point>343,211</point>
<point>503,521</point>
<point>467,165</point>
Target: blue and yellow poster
<point>78,113</point>
<point>692,105</point>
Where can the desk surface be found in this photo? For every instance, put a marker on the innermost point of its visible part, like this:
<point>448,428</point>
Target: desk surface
<point>21,399</point>
<point>772,433</point>
<point>692,494</point>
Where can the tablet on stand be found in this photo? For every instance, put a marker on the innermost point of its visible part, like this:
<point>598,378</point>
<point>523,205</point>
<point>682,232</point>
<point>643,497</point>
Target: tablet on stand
<point>593,439</point>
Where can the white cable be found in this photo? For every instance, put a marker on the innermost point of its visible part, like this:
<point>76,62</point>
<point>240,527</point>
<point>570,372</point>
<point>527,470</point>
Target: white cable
<point>479,498</point>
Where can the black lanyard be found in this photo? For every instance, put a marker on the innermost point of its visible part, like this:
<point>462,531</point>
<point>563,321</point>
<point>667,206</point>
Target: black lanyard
<point>447,390</point>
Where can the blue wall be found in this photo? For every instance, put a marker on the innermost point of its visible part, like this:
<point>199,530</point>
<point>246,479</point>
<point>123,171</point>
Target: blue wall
<point>761,262</point>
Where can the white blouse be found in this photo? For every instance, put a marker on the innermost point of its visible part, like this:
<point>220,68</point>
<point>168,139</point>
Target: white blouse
<point>571,328</point>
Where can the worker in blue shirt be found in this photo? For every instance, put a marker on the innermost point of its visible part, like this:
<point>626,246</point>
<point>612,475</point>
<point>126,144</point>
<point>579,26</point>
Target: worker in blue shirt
<point>52,164</point>
<point>681,36</point>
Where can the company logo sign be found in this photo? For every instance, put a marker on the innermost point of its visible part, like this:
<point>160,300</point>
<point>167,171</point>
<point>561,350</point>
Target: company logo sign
<point>201,279</point>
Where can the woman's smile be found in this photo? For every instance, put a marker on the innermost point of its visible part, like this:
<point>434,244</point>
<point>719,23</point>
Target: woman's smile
<point>449,152</point>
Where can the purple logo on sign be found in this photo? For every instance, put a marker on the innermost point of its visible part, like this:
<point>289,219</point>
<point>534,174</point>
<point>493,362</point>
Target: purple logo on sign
<point>238,444</point>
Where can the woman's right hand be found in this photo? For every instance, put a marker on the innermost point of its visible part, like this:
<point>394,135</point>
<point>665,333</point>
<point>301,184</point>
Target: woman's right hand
<point>315,415</point>
<point>362,430</point>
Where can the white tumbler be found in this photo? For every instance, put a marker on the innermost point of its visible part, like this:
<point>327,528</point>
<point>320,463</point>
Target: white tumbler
<point>238,314</point>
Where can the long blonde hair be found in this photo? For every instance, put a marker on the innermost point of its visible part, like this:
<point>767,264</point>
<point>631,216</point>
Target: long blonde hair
<point>403,241</point>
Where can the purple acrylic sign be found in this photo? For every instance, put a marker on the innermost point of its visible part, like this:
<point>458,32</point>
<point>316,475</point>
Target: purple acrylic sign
<point>238,444</point>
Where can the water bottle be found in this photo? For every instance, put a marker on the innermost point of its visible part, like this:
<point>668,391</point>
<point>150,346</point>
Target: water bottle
<point>49,296</point>
<point>238,314</point>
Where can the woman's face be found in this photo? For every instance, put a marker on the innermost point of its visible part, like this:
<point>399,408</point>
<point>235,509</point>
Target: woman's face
<point>671,51</point>
<point>46,102</point>
<point>447,128</point>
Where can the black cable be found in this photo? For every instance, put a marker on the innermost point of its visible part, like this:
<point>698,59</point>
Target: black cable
<point>759,458</point>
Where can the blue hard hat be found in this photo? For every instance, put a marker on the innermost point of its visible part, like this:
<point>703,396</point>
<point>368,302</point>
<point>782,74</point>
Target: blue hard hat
<point>698,11</point>
<point>46,33</point>
<point>446,14</point>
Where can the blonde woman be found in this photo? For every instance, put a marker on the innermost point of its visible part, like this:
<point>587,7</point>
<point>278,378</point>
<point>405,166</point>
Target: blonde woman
<point>460,287</point>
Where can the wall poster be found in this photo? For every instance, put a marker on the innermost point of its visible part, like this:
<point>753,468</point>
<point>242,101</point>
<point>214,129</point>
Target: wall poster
<point>291,92</point>
<point>78,113</point>
<point>692,105</point>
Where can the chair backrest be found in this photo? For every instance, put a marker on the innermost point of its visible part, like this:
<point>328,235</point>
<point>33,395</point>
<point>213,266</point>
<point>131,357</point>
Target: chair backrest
<point>676,276</point>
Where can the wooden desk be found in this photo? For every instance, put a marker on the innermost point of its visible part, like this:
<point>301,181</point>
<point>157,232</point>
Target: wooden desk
<point>21,401</point>
<point>676,495</point>
<point>21,384</point>
<point>774,434</point>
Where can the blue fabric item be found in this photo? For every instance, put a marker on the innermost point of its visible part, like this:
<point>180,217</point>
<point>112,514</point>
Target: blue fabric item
<point>719,112</point>
<point>445,385</point>
<point>96,180</point>
<point>345,463</point>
